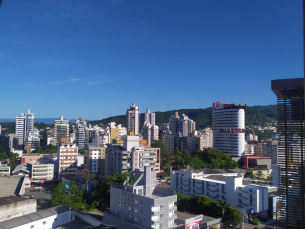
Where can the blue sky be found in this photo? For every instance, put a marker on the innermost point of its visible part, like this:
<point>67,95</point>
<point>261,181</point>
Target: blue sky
<point>92,59</point>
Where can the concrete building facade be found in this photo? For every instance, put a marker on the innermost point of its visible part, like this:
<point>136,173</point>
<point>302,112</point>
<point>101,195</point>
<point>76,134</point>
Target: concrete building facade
<point>183,125</point>
<point>61,130</point>
<point>15,206</point>
<point>95,159</point>
<point>133,119</point>
<point>227,186</point>
<point>67,160</point>
<point>228,122</point>
<point>143,203</point>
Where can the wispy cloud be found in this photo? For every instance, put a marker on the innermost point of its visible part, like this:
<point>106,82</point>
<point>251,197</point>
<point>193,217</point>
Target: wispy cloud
<point>99,80</point>
<point>93,82</point>
<point>74,80</point>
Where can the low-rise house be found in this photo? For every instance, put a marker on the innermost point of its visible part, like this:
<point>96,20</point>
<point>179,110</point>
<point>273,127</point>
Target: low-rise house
<point>24,169</point>
<point>44,219</point>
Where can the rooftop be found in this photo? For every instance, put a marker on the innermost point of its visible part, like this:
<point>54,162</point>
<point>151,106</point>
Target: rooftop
<point>11,199</point>
<point>206,171</point>
<point>33,154</point>
<point>19,221</point>
<point>24,167</point>
<point>10,185</point>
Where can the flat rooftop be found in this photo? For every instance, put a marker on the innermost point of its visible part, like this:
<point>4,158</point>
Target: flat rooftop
<point>187,215</point>
<point>12,199</point>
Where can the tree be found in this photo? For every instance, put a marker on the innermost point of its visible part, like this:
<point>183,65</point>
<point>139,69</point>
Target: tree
<point>81,151</point>
<point>50,149</point>
<point>164,156</point>
<point>232,216</point>
<point>249,174</point>
<point>37,150</point>
<point>259,175</point>
<point>103,193</point>
<point>196,163</point>
<point>87,178</point>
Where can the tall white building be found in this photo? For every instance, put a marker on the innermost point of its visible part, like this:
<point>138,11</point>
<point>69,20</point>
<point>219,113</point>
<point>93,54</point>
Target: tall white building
<point>67,160</point>
<point>61,130</point>
<point>133,119</point>
<point>150,133</point>
<point>183,125</point>
<point>228,122</point>
<point>24,125</point>
<point>150,117</point>
<point>80,136</point>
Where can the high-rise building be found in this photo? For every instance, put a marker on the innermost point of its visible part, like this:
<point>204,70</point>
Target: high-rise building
<point>228,122</point>
<point>61,130</point>
<point>291,156</point>
<point>80,136</point>
<point>24,125</point>
<point>150,133</point>
<point>149,117</point>
<point>183,125</point>
<point>67,159</point>
<point>133,119</point>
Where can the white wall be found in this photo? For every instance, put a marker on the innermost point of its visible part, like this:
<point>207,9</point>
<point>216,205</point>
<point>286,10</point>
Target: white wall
<point>50,222</point>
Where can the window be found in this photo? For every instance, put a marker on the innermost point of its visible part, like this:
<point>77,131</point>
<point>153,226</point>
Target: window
<point>161,217</point>
<point>161,207</point>
<point>44,222</point>
<point>32,226</point>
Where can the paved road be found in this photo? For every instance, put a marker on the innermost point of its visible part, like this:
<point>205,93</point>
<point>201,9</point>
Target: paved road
<point>42,197</point>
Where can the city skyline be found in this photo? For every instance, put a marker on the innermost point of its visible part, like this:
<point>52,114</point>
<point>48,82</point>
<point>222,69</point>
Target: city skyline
<point>81,53</point>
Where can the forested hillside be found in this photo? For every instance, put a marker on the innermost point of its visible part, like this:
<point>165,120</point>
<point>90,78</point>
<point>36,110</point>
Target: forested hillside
<point>256,115</point>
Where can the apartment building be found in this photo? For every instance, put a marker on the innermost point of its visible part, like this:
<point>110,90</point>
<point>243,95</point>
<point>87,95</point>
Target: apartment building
<point>270,150</point>
<point>42,171</point>
<point>80,136</point>
<point>150,133</point>
<point>185,143</point>
<point>67,160</point>
<point>157,158</point>
<point>133,119</point>
<point>61,130</point>
<point>95,159</point>
<point>183,125</point>
<point>203,139</point>
<point>228,122</point>
<point>24,125</point>
<point>142,204</point>
<point>130,155</point>
<point>226,186</point>
<point>169,141</point>
<point>5,169</point>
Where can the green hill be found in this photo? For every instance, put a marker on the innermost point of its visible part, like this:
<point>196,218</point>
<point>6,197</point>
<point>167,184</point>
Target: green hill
<point>256,115</point>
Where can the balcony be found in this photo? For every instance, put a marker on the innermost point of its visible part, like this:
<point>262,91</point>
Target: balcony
<point>172,207</point>
<point>155,209</point>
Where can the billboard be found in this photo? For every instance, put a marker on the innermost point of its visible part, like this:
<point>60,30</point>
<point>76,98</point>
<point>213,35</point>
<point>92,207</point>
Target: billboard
<point>193,225</point>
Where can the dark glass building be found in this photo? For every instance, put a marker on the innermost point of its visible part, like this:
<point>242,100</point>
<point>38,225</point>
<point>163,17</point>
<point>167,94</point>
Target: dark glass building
<point>291,144</point>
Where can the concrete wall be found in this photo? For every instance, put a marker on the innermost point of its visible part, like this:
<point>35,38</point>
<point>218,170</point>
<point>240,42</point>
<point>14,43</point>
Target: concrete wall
<point>51,221</point>
<point>16,209</point>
